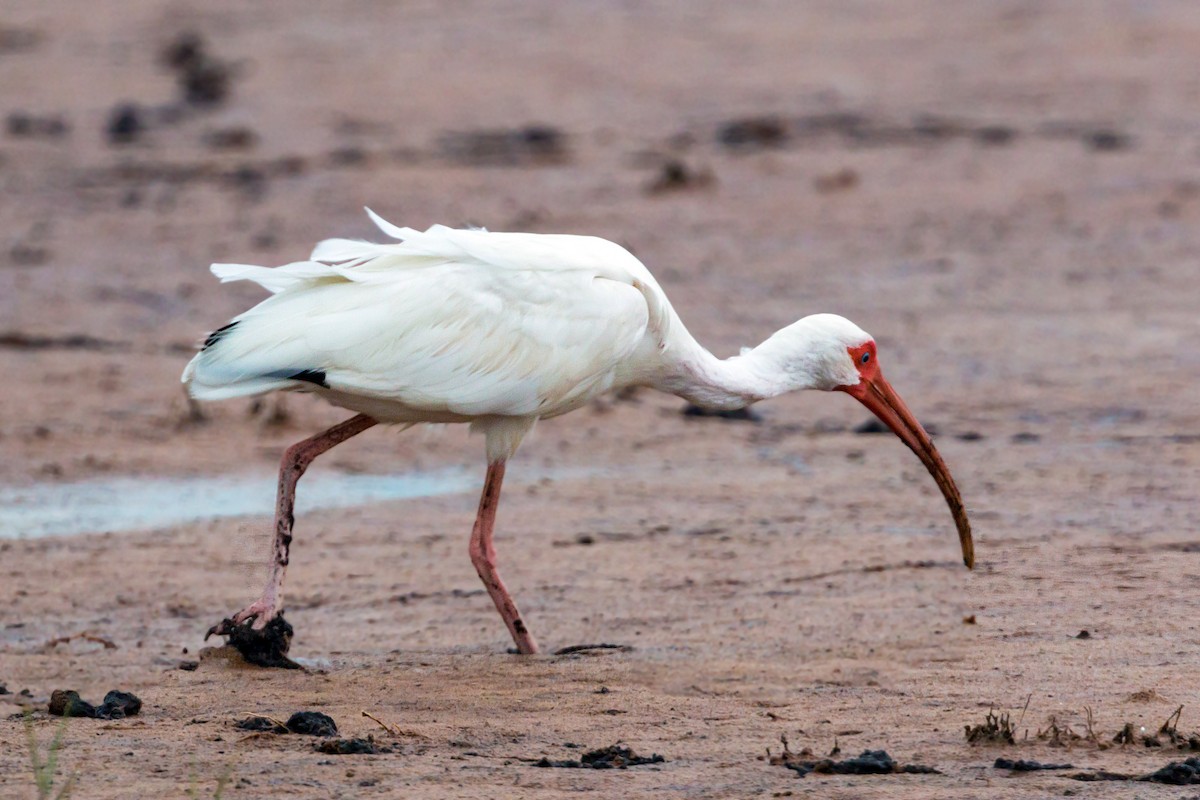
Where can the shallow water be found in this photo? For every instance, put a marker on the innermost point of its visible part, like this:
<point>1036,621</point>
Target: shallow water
<point>129,504</point>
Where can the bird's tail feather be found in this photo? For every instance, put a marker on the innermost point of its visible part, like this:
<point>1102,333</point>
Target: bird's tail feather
<point>275,279</point>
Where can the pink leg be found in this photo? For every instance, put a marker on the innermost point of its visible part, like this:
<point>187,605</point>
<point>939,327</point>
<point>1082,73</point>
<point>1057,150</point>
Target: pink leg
<point>483,556</point>
<point>296,460</point>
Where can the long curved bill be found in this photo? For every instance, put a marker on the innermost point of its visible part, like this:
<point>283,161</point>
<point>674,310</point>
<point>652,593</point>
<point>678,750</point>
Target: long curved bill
<point>879,396</point>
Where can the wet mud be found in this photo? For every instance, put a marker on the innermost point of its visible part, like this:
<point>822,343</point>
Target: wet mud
<point>267,647</point>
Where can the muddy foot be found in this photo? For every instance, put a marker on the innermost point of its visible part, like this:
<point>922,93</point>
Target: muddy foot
<point>266,648</point>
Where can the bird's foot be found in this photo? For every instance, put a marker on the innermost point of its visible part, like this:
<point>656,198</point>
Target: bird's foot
<point>259,614</point>
<point>260,633</point>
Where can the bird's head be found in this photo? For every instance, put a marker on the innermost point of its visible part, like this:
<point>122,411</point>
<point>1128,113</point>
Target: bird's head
<point>825,351</point>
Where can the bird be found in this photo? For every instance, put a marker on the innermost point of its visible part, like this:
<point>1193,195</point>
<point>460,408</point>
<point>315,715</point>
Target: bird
<point>501,330</point>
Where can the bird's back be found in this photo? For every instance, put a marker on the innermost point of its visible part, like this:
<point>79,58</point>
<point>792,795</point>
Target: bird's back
<point>445,325</point>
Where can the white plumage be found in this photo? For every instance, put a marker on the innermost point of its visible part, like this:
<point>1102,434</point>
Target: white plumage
<point>501,330</point>
<point>445,326</point>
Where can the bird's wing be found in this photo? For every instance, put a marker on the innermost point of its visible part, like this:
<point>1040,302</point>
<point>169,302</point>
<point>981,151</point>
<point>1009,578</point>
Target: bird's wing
<point>463,322</point>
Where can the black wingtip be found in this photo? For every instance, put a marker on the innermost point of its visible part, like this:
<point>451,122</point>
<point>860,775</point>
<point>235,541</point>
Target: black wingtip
<point>219,334</point>
<point>316,376</point>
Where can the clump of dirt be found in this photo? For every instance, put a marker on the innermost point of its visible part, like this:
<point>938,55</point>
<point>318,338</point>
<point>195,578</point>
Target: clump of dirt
<point>352,747</point>
<point>306,723</point>
<point>126,124</point>
<point>674,174</point>
<point>736,415</point>
<point>612,757</point>
<point>1100,775</point>
<point>265,648</point>
<point>116,705</point>
<point>531,145</point>
<point>1176,773</point>
<point>25,125</point>
<point>842,180</point>
<point>203,79</point>
<point>312,723</point>
<point>1107,140</point>
<point>995,729</point>
<point>259,724</point>
<point>869,762</point>
<point>870,426</point>
<point>752,133</point>
<point>234,137</point>
<point>1027,766</point>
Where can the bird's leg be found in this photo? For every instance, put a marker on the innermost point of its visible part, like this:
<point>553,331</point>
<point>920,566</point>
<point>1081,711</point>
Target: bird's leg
<point>483,556</point>
<point>296,459</point>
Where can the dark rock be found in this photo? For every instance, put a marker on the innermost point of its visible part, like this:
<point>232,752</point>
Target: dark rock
<point>189,666</point>
<point>116,705</point>
<point>186,50</point>
<point>205,80</point>
<point>613,757</point>
<point>260,724</point>
<point>68,703</point>
<point>870,762</point>
<point>125,124</point>
<point>1177,773</point>
<point>312,723</point>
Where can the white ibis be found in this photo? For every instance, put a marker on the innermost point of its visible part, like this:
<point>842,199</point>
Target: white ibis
<point>501,330</point>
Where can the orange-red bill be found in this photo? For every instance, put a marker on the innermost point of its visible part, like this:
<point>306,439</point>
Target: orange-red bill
<point>879,396</point>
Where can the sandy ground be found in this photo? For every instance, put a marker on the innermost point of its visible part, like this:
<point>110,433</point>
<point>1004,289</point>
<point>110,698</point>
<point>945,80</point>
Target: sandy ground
<point>1007,194</point>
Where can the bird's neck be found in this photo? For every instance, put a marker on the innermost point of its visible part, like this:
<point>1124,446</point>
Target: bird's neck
<point>730,383</point>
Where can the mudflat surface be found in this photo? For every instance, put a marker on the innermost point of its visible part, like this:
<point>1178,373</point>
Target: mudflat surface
<point>1007,195</point>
